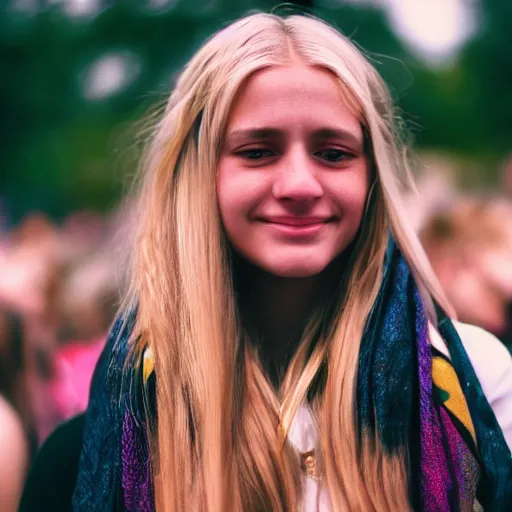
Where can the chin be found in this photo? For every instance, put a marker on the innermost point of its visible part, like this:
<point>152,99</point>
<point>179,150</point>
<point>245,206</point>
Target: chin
<point>296,270</point>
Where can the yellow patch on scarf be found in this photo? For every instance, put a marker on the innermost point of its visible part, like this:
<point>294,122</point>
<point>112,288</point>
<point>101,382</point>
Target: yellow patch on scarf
<point>148,364</point>
<point>445,378</point>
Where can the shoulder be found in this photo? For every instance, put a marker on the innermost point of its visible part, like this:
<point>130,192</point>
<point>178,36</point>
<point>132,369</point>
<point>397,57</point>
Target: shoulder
<point>492,363</point>
<point>108,380</point>
<point>98,481</point>
<point>489,356</point>
<point>13,455</point>
<point>113,359</point>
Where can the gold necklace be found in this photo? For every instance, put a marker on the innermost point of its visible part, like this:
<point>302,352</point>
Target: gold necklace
<point>309,465</point>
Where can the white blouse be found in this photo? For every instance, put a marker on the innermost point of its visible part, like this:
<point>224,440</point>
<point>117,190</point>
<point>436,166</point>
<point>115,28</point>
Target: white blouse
<point>493,367</point>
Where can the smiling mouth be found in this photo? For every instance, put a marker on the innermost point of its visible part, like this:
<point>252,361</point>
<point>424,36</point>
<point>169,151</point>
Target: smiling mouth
<point>297,222</point>
<point>297,228</point>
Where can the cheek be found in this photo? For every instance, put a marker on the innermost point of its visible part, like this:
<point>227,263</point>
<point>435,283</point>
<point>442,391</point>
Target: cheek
<point>239,192</point>
<point>234,198</point>
<point>351,195</point>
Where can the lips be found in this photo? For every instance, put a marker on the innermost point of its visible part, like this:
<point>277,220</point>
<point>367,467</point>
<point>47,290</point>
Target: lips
<point>297,229</point>
<point>294,221</point>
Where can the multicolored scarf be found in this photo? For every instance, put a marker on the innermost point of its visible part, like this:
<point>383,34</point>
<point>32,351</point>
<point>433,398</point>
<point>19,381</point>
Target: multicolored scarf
<point>409,395</point>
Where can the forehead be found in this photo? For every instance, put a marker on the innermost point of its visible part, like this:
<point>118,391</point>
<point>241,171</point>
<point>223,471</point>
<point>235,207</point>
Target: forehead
<point>293,95</point>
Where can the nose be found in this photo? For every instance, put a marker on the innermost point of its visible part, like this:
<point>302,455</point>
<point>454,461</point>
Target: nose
<point>296,180</point>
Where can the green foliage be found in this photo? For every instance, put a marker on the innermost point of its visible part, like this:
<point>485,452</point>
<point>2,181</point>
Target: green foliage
<point>62,151</point>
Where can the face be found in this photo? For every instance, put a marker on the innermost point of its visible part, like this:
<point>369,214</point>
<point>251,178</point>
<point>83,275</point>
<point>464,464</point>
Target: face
<point>292,177</point>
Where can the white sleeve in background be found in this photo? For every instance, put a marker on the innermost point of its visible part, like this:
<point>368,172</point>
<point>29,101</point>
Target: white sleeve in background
<point>493,366</point>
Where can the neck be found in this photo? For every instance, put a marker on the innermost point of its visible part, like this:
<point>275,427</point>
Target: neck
<point>277,310</point>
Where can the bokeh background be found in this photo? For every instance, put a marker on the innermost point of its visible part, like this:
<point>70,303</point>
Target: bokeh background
<point>76,75</point>
<point>78,78</point>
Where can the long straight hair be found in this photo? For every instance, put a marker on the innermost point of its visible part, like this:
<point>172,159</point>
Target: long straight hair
<point>220,441</point>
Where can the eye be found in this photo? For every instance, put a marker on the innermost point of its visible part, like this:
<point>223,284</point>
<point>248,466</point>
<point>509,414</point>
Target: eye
<point>255,153</point>
<point>334,155</point>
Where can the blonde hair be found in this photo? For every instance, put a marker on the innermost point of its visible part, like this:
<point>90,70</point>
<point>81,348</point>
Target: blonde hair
<point>220,423</point>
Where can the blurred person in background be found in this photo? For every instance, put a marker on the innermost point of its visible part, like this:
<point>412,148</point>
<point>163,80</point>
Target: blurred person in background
<point>84,300</point>
<point>470,249</point>
<point>30,283</point>
<point>15,435</point>
<point>501,265</point>
<point>276,349</point>
<point>61,281</point>
<point>89,299</point>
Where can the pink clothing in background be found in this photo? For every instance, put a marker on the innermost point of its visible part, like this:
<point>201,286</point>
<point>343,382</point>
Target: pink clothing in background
<point>74,365</point>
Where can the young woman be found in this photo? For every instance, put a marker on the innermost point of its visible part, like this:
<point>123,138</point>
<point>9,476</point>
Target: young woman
<point>284,344</point>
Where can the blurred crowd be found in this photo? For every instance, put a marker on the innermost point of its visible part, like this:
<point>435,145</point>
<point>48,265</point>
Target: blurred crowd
<point>468,239</point>
<point>59,289</point>
<point>60,286</point>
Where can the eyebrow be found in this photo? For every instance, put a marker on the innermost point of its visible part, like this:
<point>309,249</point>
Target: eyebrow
<point>321,134</point>
<point>254,133</point>
<point>338,133</point>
